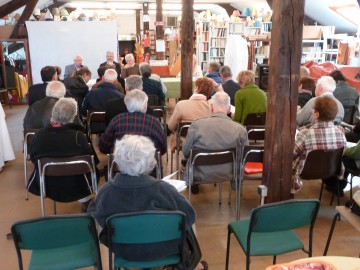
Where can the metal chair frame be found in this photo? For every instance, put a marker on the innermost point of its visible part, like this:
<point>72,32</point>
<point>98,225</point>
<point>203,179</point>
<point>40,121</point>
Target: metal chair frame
<point>28,136</point>
<point>94,116</point>
<point>57,167</point>
<point>160,112</point>
<point>181,131</point>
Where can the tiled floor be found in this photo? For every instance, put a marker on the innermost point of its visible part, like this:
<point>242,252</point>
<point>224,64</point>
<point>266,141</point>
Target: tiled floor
<point>211,222</point>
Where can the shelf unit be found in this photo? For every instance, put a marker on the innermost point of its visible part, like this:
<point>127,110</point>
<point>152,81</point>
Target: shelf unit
<point>313,50</point>
<point>203,44</point>
<point>152,35</point>
<point>171,47</point>
<point>259,52</point>
<point>218,36</point>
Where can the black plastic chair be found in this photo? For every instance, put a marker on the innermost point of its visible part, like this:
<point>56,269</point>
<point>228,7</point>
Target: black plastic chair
<point>181,132</point>
<point>202,157</point>
<point>68,166</point>
<point>95,122</point>
<point>152,100</point>
<point>255,119</point>
<point>256,134</point>
<point>321,164</point>
<point>160,113</point>
<point>349,114</point>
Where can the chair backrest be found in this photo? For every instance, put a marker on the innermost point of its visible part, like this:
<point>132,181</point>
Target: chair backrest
<point>251,153</point>
<point>113,168</point>
<point>143,228</point>
<point>153,100</point>
<point>284,215</point>
<point>349,113</point>
<point>181,131</point>
<point>96,117</point>
<point>321,164</point>
<point>255,119</point>
<point>28,137</point>
<point>160,113</point>
<point>256,132</point>
<point>55,232</point>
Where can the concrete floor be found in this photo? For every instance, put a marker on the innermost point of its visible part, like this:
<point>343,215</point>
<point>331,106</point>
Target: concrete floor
<point>211,222</point>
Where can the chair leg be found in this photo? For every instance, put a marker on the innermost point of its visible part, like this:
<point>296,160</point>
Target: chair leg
<point>274,259</point>
<point>220,193</point>
<point>336,217</point>
<point>54,207</point>
<point>322,187</point>
<point>228,249</point>
<point>351,181</point>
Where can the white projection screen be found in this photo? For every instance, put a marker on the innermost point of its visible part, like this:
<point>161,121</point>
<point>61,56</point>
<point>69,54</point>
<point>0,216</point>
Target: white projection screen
<point>55,43</point>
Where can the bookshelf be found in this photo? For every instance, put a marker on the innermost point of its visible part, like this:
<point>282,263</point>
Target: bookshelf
<point>313,50</point>
<point>171,47</point>
<point>259,52</point>
<point>203,44</point>
<point>152,36</point>
<point>218,36</point>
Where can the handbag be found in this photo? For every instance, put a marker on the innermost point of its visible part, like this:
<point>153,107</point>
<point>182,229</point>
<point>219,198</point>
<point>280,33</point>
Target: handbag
<point>191,250</point>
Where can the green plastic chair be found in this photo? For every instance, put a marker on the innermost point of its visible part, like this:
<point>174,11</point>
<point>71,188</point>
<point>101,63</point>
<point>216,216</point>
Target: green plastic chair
<point>269,231</point>
<point>148,230</point>
<point>58,242</point>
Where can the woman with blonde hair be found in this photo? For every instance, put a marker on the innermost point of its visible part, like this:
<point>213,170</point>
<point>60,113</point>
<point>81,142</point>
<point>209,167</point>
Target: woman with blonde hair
<point>250,98</point>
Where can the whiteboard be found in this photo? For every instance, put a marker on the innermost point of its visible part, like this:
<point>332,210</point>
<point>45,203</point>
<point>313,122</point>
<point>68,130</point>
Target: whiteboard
<point>56,43</point>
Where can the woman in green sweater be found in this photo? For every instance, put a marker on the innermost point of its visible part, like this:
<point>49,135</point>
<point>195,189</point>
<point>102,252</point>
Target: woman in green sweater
<point>250,98</point>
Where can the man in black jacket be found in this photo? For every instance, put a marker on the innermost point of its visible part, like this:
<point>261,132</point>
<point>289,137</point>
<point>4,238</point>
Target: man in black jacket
<point>38,91</point>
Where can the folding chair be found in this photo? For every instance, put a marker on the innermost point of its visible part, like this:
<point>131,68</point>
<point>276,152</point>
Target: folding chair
<point>28,137</point>
<point>152,100</point>
<point>349,114</point>
<point>58,242</point>
<point>160,113</point>
<point>255,119</point>
<point>202,157</point>
<point>112,167</point>
<point>68,166</point>
<point>321,164</point>
<point>269,231</point>
<point>181,132</point>
<point>95,122</point>
<point>140,231</point>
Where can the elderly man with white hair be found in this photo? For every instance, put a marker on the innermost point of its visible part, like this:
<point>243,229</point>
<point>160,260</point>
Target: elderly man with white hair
<point>39,113</point>
<point>97,98</point>
<point>62,138</point>
<point>325,86</point>
<point>134,190</point>
<point>131,68</point>
<point>216,132</point>
<point>135,121</point>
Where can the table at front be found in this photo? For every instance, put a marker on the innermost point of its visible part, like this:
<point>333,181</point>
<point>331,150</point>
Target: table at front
<point>173,87</point>
<point>345,212</point>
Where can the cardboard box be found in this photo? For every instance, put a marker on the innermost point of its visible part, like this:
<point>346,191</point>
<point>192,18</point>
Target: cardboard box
<point>312,32</point>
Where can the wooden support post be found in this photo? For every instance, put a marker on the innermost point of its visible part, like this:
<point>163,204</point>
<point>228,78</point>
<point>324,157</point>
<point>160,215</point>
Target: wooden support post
<point>285,61</point>
<point>145,12</point>
<point>29,8</point>
<point>138,23</point>
<point>159,28</point>
<point>187,49</point>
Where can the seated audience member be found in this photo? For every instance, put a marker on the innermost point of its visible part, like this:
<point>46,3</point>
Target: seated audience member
<point>217,132</point>
<point>71,69</point>
<point>101,71</point>
<point>38,91</point>
<point>58,72</point>
<point>346,94</point>
<point>77,85</point>
<point>131,68</point>
<point>156,77</point>
<point>151,87</point>
<point>306,90</point>
<point>250,98</point>
<point>195,107</point>
<point>304,72</point>
<point>135,121</point>
<point>325,86</point>
<point>354,134</point>
<point>213,72</point>
<point>116,106</point>
<point>96,98</point>
<point>229,85</point>
<point>135,190</point>
<point>110,63</point>
<point>123,60</point>
<point>321,134</point>
<point>38,114</point>
<point>62,138</point>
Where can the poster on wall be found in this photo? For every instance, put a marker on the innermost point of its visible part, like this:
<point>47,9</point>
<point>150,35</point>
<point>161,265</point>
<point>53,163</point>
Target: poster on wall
<point>56,43</point>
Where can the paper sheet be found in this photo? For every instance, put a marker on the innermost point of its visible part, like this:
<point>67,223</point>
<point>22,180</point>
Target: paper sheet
<point>180,185</point>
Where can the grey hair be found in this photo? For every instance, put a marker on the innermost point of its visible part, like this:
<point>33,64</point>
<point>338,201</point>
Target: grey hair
<point>221,100</point>
<point>55,89</point>
<point>135,155</point>
<point>326,83</point>
<point>133,82</point>
<point>64,111</point>
<point>145,70</point>
<point>110,75</point>
<point>109,52</point>
<point>225,71</point>
<point>129,56</point>
<point>304,72</point>
<point>215,66</point>
<point>136,101</point>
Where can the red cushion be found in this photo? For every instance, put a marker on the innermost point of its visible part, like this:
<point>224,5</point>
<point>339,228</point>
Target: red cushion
<point>253,167</point>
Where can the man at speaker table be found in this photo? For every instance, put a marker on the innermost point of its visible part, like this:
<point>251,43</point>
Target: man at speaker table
<point>250,98</point>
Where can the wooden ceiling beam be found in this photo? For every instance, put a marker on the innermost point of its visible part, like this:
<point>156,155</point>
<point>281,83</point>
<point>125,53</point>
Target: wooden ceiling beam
<point>11,6</point>
<point>228,8</point>
<point>29,8</point>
